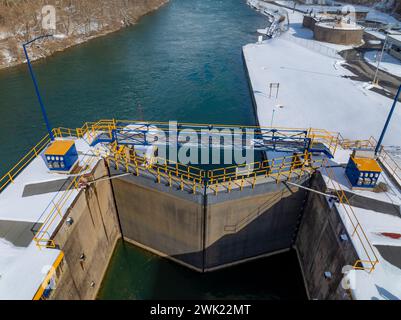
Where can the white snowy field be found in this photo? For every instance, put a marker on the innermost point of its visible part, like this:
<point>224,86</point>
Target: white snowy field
<point>23,269</point>
<point>314,88</point>
<point>314,93</point>
<point>383,283</point>
<point>388,63</point>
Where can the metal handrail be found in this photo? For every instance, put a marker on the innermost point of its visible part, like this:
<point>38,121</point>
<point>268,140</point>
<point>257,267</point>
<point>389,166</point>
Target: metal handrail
<point>21,164</point>
<point>357,227</point>
<point>196,178</point>
<point>42,235</point>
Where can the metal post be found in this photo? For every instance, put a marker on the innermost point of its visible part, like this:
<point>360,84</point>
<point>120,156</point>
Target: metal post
<point>375,79</point>
<point>35,83</point>
<point>271,122</point>
<point>388,120</point>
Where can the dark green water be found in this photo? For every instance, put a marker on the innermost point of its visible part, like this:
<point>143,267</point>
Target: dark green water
<point>184,63</point>
<point>137,274</point>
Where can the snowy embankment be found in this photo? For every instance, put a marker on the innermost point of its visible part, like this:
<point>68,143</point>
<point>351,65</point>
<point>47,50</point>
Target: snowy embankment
<point>382,240</point>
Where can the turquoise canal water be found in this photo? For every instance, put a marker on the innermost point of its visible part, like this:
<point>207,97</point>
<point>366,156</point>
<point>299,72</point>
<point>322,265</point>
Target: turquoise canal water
<point>137,274</point>
<point>184,63</point>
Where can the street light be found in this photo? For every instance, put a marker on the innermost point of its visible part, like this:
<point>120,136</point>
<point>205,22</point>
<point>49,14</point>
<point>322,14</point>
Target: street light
<point>35,83</point>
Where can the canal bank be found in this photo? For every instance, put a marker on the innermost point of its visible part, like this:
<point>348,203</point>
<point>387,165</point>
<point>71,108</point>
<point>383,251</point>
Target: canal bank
<point>73,25</point>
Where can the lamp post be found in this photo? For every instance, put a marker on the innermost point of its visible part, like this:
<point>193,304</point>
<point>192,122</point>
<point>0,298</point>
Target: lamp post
<point>35,83</point>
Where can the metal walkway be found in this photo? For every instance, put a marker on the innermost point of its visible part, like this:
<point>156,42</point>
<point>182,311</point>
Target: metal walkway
<point>218,136</point>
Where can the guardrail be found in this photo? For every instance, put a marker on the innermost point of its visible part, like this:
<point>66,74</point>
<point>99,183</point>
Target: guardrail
<point>171,173</point>
<point>43,235</point>
<point>277,168</point>
<point>313,45</point>
<point>392,166</point>
<point>195,179</point>
<point>21,164</point>
<point>192,178</point>
<point>371,257</point>
<point>90,130</point>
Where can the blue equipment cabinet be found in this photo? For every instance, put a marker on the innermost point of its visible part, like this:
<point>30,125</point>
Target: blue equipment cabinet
<point>61,155</point>
<point>363,172</point>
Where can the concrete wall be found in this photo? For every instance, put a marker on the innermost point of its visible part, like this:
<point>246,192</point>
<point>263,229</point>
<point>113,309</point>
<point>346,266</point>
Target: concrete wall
<point>395,54</point>
<point>338,36</point>
<point>309,22</point>
<point>252,223</point>
<point>161,219</point>
<point>320,248</point>
<point>93,233</point>
<point>212,231</point>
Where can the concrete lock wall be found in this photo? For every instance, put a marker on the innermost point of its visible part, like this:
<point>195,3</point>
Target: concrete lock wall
<point>161,219</point>
<point>247,224</point>
<point>320,248</point>
<point>203,232</point>
<point>210,232</point>
<point>94,233</point>
<point>337,35</point>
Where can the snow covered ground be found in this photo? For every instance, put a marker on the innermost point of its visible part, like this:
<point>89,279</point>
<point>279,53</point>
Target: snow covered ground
<point>373,14</point>
<point>23,269</point>
<point>314,86</point>
<point>383,283</point>
<point>315,90</point>
<point>388,63</point>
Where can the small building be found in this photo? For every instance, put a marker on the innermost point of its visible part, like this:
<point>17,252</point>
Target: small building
<point>394,45</point>
<point>338,32</point>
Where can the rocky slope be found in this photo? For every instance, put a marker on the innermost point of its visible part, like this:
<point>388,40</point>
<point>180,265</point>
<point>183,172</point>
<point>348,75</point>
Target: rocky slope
<point>77,21</point>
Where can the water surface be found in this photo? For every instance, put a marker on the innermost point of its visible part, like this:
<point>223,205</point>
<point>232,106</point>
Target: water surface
<point>137,274</point>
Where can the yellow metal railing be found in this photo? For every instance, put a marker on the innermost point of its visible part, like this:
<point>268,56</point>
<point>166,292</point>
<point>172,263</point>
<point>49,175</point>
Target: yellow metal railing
<point>358,232</point>
<point>90,130</point>
<point>247,174</point>
<point>21,164</point>
<point>227,178</point>
<point>352,144</point>
<point>384,156</point>
<point>320,136</point>
<point>188,177</point>
<point>43,235</point>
